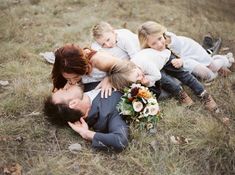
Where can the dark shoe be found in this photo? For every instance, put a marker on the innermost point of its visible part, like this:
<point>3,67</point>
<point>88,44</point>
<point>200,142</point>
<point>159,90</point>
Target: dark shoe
<point>216,46</point>
<point>211,45</point>
<point>185,99</point>
<point>207,42</point>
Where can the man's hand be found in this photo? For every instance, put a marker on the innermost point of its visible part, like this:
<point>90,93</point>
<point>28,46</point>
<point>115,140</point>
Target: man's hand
<point>81,128</point>
<point>106,87</point>
<point>177,62</point>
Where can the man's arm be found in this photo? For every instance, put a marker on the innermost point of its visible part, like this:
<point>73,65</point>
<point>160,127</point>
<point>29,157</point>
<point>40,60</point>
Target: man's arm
<point>116,137</point>
<point>111,130</point>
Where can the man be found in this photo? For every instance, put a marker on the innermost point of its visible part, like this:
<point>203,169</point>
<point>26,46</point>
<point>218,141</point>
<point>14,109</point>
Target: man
<point>89,109</point>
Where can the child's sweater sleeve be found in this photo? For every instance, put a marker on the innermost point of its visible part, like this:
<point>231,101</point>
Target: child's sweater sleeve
<point>129,41</point>
<point>176,43</point>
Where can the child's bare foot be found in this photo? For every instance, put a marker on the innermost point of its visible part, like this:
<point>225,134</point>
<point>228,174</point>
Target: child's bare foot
<point>224,71</point>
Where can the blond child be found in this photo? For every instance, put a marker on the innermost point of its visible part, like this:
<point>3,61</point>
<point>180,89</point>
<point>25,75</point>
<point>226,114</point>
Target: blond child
<point>124,74</point>
<point>151,35</point>
<point>121,43</point>
<point>193,57</point>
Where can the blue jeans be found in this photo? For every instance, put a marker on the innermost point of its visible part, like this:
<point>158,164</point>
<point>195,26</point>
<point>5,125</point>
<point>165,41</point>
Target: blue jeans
<point>184,76</point>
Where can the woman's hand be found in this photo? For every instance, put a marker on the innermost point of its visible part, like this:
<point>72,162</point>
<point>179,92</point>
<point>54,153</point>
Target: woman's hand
<point>81,128</point>
<point>177,62</point>
<point>106,87</point>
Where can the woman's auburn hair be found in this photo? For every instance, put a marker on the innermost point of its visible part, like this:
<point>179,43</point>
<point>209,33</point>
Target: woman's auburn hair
<point>69,59</point>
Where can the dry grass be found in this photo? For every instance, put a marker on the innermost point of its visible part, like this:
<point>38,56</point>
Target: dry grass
<point>30,27</point>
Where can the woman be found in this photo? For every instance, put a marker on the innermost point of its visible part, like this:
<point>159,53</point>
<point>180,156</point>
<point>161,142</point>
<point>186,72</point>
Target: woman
<point>73,64</point>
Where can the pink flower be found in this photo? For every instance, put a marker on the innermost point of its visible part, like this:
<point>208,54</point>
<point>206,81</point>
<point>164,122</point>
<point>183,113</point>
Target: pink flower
<point>154,109</point>
<point>137,106</point>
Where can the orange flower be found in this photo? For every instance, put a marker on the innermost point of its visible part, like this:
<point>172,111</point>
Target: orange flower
<point>144,94</point>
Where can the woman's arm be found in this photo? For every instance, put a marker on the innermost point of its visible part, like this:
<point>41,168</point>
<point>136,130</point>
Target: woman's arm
<point>104,61</point>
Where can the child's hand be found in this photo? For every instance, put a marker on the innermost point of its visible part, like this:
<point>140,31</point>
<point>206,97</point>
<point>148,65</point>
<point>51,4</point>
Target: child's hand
<point>145,81</point>
<point>177,62</point>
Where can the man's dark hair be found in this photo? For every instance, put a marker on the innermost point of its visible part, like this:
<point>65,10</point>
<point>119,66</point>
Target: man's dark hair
<point>60,114</point>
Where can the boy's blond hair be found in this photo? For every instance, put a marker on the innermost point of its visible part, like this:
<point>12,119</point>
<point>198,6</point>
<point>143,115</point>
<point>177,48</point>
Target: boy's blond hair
<point>149,28</point>
<point>99,29</point>
<point>118,75</point>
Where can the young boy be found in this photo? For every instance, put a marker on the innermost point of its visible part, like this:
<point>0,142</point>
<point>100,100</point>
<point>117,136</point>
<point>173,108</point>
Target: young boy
<point>121,43</point>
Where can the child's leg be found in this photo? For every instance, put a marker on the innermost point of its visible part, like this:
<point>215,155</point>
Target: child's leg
<point>218,62</point>
<point>204,73</point>
<point>169,84</point>
<point>189,80</point>
<point>173,87</point>
<point>221,64</point>
<point>185,77</point>
<point>156,89</point>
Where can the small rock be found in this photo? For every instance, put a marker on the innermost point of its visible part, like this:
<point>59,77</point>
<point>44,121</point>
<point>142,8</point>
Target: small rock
<point>4,83</point>
<point>75,148</point>
<point>48,56</point>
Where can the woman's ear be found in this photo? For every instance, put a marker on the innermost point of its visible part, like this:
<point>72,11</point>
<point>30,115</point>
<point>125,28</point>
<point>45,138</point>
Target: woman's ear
<point>73,103</point>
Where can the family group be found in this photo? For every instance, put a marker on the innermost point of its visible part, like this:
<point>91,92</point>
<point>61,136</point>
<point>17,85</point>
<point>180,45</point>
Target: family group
<point>88,82</point>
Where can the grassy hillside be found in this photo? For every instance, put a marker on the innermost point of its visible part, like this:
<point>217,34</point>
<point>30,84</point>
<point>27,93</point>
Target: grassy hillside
<point>30,143</point>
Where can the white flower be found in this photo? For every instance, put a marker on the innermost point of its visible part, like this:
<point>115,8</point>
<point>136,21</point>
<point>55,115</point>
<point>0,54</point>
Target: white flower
<point>137,106</point>
<point>154,109</point>
<point>146,111</point>
<point>140,116</point>
<point>149,125</point>
<point>152,101</point>
<point>135,85</point>
<point>129,96</point>
<point>126,112</point>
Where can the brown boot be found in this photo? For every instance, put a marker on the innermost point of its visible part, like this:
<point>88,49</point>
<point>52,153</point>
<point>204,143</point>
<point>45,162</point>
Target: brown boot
<point>184,98</point>
<point>209,102</point>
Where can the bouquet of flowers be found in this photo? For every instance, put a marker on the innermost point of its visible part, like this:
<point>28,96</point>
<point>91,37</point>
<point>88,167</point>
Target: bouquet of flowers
<point>140,106</point>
